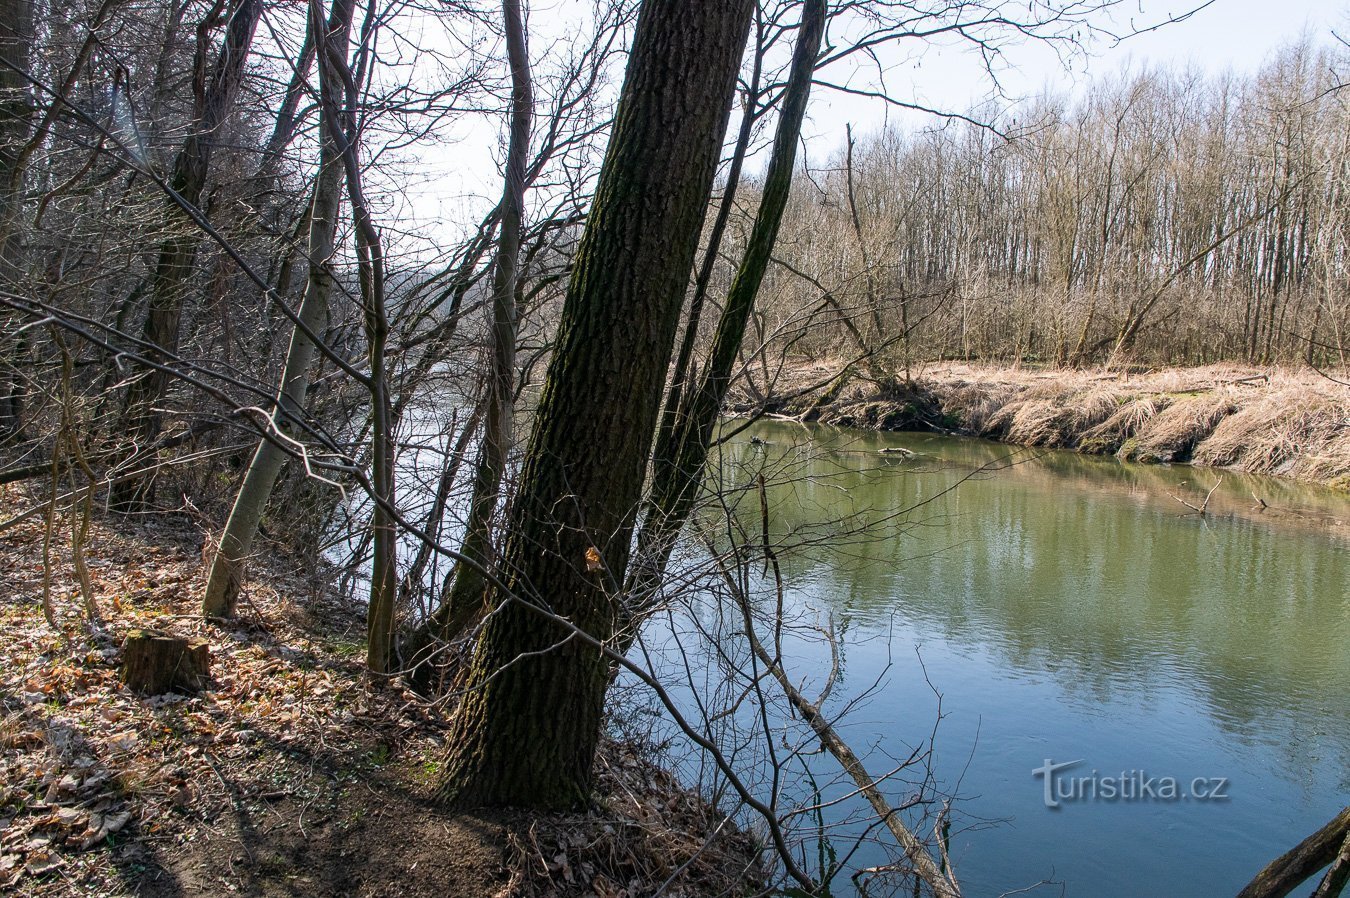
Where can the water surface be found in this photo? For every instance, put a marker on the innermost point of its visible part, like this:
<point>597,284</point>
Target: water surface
<point>1073,608</point>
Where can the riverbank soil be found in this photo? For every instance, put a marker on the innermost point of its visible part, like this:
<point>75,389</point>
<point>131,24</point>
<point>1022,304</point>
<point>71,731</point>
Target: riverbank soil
<point>1262,421</point>
<point>287,774</point>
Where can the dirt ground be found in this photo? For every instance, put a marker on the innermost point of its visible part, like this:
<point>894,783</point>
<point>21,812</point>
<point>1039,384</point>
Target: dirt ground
<point>289,775</point>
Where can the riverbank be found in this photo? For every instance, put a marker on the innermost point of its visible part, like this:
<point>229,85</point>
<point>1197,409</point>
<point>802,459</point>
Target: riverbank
<point>288,774</point>
<point>1279,422</point>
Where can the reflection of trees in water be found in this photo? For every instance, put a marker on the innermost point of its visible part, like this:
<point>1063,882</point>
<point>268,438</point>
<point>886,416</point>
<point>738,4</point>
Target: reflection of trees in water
<point>1080,569</point>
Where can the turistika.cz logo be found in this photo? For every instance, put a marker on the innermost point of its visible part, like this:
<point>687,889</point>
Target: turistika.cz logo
<point>1129,785</point>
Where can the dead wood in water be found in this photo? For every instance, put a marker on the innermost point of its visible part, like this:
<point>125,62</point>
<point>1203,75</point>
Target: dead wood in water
<point>1288,871</point>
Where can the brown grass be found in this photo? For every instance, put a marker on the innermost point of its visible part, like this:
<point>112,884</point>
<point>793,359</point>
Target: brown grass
<point>1277,433</point>
<point>1330,464</point>
<point>975,404</point>
<point>1124,423</point>
<point>1173,434</point>
<point>1059,421</point>
<point>1270,421</point>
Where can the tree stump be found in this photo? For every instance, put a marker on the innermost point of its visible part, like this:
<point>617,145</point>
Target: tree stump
<point>154,663</point>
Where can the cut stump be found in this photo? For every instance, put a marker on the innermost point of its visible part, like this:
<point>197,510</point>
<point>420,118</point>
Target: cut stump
<point>155,663</point>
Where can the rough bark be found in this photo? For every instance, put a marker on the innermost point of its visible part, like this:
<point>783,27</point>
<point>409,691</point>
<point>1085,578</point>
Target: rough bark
<point>680,455</point>
<point>16,109</point>
<point>527,729</point>
<point>178,253</point>
<point>227,568</point>
<point>155,663</point>
<point>1337,875</point>
<point>343,83</point>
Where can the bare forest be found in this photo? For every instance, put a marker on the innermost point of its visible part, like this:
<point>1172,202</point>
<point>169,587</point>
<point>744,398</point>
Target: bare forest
<point>394,495</point>
<point>1153,216</point>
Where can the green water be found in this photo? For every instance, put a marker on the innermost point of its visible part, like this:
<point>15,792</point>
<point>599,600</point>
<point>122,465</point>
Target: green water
<point>1070,608</point>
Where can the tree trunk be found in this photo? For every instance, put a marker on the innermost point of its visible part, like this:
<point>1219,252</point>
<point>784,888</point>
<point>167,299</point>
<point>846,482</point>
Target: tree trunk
<point>340,91</point>
<point>227,568</point>
<point>178,253</point>
<point>156,663</point>
<point>466,597</point>
<point>683,450</point>
<point>16,109</point>
<point>526,731</point>
<point>1284,874</point>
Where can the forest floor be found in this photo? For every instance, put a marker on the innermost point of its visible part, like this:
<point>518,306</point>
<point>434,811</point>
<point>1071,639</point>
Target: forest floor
<point>1265,421</point>
<point>289,775</point>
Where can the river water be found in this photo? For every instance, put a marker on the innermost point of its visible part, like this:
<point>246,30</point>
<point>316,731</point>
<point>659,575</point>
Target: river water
<point>1069,609</point>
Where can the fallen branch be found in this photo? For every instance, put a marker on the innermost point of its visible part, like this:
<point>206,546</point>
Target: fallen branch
<point>1203,508</point>
<point>938,876</point>
<point>1289,870</point>
<point>916,852</point>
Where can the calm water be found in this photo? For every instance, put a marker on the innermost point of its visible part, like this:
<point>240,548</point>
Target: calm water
<point>1067,608</point>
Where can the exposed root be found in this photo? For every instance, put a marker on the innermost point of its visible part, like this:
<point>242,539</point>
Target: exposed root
<point>649,834</point>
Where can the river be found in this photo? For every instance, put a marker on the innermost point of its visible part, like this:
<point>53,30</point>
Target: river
<point>1066,609</point>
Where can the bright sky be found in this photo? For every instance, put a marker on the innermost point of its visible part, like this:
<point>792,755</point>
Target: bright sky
<point>1229,34</point>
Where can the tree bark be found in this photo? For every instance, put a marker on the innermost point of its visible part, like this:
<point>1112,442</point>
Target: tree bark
<point>178,253</point>
<point>227,568</point>
<point>526,731</point>
<point>156,663</point>
<point>682,452</point>
<point>1284,874</point>
<point>16,110</point>
<point>467,595</point>
<point>340,83</point>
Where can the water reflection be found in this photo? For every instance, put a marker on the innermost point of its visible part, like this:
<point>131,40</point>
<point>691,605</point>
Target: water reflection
<point>1071,604</point>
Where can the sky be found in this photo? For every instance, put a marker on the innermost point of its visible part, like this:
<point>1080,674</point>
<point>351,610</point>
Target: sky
<point>455,183</point>
<point>1228,34</point>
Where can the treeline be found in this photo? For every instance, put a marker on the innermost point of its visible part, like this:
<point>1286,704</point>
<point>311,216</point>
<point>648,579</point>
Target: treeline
<point>1162,217</point>
<point>496,433</point>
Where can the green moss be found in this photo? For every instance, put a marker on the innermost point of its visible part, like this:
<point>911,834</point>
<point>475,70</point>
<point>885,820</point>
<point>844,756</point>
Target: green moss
<point>1098,445</point>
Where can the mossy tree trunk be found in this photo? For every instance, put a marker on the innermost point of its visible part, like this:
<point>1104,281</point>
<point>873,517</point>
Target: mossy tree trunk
<point>682,449</point>
<point>527,729</point>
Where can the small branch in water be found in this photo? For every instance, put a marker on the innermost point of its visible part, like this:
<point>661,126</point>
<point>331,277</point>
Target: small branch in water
<point>1203,508</point>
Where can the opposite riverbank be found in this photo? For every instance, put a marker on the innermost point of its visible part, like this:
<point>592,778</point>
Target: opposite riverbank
<point>1262,421</point>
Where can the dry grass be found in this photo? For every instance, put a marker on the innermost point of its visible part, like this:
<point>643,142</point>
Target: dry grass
<point>1279,433</point>
<point>1330,464</point>
<point>976,404</point>
<point>647,832</point>
<point>1173,434</point>
<point>1059,421</point>
<point>1272,421</point>
<point>1123,424</point>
